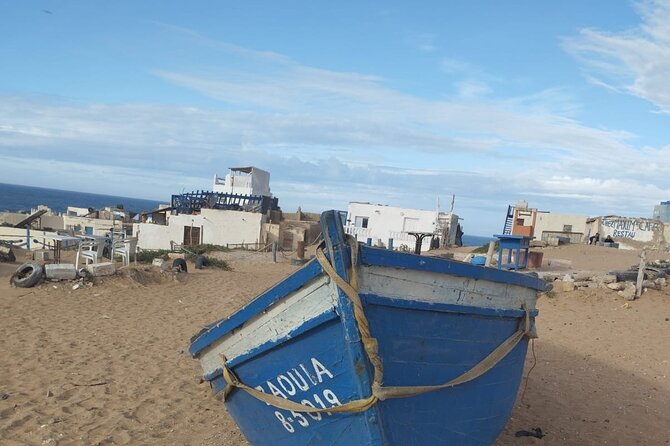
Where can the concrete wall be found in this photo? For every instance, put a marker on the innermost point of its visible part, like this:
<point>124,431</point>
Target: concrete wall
<point>98,225</point>
<point>217,227</point>
<point>76,211</point>
<point>54,222</point>
<point>632,232</point>
<point>547,223</point>
<point>384,222</point>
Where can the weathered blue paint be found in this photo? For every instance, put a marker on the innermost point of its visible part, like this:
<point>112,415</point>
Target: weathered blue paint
<point>420,344</point>
<point>442,307</point>
<point>384,257</point>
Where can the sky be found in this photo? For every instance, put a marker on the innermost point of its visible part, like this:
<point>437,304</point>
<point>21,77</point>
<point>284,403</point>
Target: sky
<point>563,104</point>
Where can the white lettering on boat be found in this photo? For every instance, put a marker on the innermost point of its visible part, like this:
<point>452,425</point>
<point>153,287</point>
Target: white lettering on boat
<point>302,377</point>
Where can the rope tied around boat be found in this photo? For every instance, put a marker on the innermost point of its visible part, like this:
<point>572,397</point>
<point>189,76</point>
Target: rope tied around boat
<point>379,392</point>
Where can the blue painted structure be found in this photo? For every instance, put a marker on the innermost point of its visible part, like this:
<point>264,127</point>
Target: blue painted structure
<point>516,244</point>
<point>322,362</point>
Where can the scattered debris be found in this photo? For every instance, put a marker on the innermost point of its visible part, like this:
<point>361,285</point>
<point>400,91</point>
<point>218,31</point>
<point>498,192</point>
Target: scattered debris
<point>7,254</point>
<point>629,291</point>
<point>4,396</point>
<point>101,383</point>
<point>27,275</point>
<point>60,271</point>
<point>101,269</point>
<point>180,265</point>
<point>537,433</point>
<point>652,276</point>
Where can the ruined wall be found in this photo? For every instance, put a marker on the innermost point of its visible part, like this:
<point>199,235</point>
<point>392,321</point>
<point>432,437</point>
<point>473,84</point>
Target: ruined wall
<point>572,226</point>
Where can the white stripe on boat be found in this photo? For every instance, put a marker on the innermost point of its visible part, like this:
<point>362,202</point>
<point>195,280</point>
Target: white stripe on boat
<point>443,288</point>
<point>312,300</point>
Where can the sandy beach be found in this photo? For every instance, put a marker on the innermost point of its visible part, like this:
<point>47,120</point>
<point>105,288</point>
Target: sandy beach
<point>109,364</point>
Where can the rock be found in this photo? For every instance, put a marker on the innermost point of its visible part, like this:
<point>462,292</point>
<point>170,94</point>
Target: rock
<point>581,277</point>
<point>176,255</point>
<point>581,283</point>
<point>565,286</point>
<point>660,283</point>
<point>628,292</point>
<point>159,263</point>
<point>559,264</point>
<point>60,271</point>
<point>616,286</point>
<point>649,284</point>
<point>604,278</point>
<point>568,278</point>
<point>101,269</point>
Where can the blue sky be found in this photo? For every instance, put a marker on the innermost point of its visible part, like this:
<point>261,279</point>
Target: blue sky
<point>564,104</point>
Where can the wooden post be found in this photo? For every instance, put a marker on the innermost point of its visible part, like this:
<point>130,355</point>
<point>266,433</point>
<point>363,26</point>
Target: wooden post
<point>640,274</point>
<point>274,252</point>
<point>301,250</point>
<point>489,253</point>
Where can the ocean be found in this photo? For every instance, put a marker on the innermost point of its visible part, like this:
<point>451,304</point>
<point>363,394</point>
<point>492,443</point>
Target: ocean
<point>476,240</point>
<point>22,198</point>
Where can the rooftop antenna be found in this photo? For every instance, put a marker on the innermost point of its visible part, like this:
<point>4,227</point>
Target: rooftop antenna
<point>453,198</point>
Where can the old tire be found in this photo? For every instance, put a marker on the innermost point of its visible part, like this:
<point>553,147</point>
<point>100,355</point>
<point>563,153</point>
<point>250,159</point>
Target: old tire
<point>180,265</point>
<point>27,275</point>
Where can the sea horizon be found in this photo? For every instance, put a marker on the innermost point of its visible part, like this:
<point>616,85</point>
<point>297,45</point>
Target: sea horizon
<point>21,198</point>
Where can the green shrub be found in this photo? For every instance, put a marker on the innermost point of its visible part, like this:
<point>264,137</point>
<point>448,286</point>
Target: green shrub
<point>148,255</point>
<point>484,249</point>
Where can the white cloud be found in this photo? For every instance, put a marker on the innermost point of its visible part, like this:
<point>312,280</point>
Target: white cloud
<point>330,137</point>
<point>636,61</point>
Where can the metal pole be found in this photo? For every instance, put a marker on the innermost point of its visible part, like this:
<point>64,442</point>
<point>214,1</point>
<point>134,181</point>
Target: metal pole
<point>28,237</point>
<point>111,241</point>
<point>274,252</point>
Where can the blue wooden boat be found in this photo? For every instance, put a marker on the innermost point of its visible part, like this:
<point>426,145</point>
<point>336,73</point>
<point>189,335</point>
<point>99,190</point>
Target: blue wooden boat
<point>366,346</point>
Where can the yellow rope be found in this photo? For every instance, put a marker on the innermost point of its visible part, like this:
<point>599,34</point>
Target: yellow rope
<point>371,347</point>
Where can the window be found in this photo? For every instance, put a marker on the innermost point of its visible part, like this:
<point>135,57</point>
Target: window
<point>567,228</point>
<point>361,222</point>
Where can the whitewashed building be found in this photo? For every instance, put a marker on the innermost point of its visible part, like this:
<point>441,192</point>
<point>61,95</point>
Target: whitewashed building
<point>383,223</point>
<point>212,226</point>
<point>243,181</point>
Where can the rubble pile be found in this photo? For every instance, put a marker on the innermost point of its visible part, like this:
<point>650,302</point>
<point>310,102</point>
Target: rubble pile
<point>623,282</point>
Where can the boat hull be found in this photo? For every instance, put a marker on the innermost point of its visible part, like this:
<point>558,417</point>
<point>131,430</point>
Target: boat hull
<point>433,322</point>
